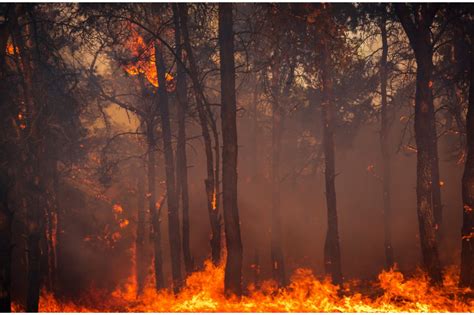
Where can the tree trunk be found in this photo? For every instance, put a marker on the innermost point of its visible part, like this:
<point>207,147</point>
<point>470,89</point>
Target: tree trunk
<point>211,183</point>
<point>155,216</point>
<point>6,214</point>
<point>332,255</point>
<point>5,244</point>
<point>253,139</point>
<point>173,216</point>
<point>384,144</point>
<point>276,252</point>
<point>181,161</point>
<point>233,268</point>
<point>467,233</point>
<point>141,260</point>
<point>420,40</point>
<point>424,125</point>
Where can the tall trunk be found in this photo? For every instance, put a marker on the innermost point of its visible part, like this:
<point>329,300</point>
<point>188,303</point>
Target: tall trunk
<point>181,161</point>
<point>384,144</point>
<point>6,217</point>
<point>173,216</point>
<point>253,139</point>
<point>141,260</point>
<point>32,170</point>
<point>467,233</point>
<point>155,216</point>
<point>6,214</point>
<point>233,268</point>
<point>435,183</point>
<point>211,182</point>
<point>276,252</point>
<point>332,255</point>
<point>420,40</point>
<point>424,125</point>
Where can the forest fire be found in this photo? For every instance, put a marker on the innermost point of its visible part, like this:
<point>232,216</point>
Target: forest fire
<point>236,157</point>
<point>204,292</point>
<point>143,58</point>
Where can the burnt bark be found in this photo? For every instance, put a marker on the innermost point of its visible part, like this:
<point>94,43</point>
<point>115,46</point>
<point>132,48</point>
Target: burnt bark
<point>6,217</point>
<point>6,214</point>
<point>332,254</point>
<point>155,216</point>
<point>278,264</point>
<point>418,32</point>
<point>233,268</point>
<point>141,240</point>
<point>181,160</point>
<point>467,232</point>
<point>384,145</point>
<point>173,216</point>
<point>211,183</point>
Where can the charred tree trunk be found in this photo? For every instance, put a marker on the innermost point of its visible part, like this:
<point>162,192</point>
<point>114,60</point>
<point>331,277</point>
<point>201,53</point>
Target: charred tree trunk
<point>332,255</point>
<point>181,161</point>
<point>425,128</point>
<point>155,216</point>
<point>384,144</point>
<point>6,217</point>
<point>173,216</point>
<point>253,139</point>
<point>211,182</point>
<point>32,153</point>
<point>278,265</point>
<point>233,268</point>
<point>276,252</point>
<point>467,233</point>
<point>141,240</point>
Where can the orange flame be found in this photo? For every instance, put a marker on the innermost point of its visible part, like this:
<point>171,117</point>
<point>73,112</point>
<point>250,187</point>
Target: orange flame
<point>144,56</point>
<point>11,49</point>
<point>214,201</point>
<point>204,292</point>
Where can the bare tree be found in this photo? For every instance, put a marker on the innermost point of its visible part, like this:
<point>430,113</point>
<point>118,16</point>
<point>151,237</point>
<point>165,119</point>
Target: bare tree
<point>233,269</point>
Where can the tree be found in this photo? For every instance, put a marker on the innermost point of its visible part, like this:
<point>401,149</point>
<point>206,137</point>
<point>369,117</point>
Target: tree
<point>417,25</point>
<point>207,121</point>
<point>467,232</point>
<point>173,217</point>
<point>181,160</point>
<point>233,269</point>
<point>384,134</point>
<point>332,254</point>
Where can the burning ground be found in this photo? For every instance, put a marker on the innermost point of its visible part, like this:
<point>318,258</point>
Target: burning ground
<point>204,292</point>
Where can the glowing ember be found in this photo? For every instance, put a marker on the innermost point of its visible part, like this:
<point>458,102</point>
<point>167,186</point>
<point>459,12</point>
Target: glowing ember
<point>204,292</point>
<point>214,200</point>
<point>11,48</point>
<point>117,209</point>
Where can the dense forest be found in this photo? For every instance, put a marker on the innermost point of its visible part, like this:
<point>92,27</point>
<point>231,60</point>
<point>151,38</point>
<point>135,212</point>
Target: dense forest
<point>236,157</point>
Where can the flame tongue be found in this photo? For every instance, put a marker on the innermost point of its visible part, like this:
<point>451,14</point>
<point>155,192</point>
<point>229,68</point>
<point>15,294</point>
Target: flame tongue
<point>203,292</point>
<point>143,58</point>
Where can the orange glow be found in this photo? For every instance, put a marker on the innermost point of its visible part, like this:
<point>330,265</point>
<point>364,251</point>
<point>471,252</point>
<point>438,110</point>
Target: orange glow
<point>118,209</point>
<point>11,49</point>
<point>143,55</point>
<point>123,223</point>
<point>204,292</point>
<point>214,201</point>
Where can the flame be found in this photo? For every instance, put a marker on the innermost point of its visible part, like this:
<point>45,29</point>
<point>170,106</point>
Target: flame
<point>117,209</point>
<point>123,223</point>
<point>204,292</point>
<point>11,49</point>
<point>143,55</point>
<point>214,201</point>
